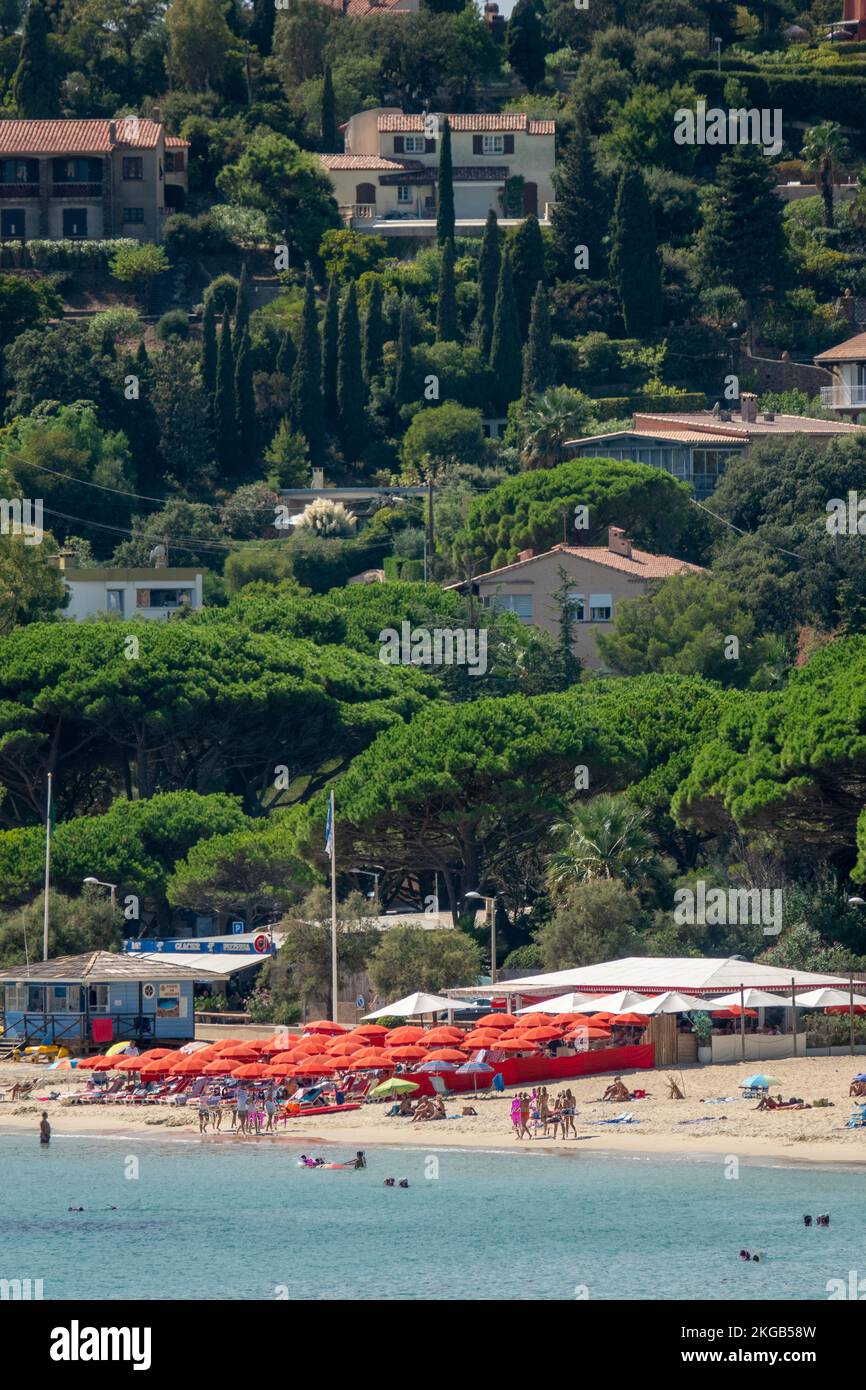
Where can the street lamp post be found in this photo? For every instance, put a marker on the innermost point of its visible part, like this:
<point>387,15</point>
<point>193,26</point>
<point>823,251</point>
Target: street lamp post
<point>102,884</point>
<point>490,906</point>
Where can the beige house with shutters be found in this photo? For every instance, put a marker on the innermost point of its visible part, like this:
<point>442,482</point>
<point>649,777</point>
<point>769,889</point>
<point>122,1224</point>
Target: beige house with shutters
<point>85,180</point>
<point>386,180</point>
<point>600,577</point>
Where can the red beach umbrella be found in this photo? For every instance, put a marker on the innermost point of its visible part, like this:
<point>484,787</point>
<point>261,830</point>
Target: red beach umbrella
<point>409,1052</point>
<point>88,1063</point>
<point>128,1064</point>
<point>734,1012</point>
<point>601,1016</point>
<point>218,1068</point>
<point>372,1057</point>
<point>533,1020</point>
<point>191,1065</point>
<point>589,1034</point>
<point>496,1020</point>
<point>406,1033</point>
<point>444,1036</point>
<point>517,1045</point>
<point>283,1058</point>
<point>240,1052</point>
<point>633,1020</point>
<point>156,1054</point>
<point>845,1008</point>
<point>250,1071</point>
<point>104,1064</point>
<point>446,1054</point>
<point>486,1037</point>
<point>324,1025</point>
<point>542,1034</point>
<point>370,1030</point>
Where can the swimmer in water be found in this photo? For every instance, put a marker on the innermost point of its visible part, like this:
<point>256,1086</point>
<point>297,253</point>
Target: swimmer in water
<point>389,1182</point>
<point>44,1129</point>
<point>360,1160</point>
<point>404,1182</point>
<point>756,1259</point>
<point>807,1220</point>
<point>744,1255</point>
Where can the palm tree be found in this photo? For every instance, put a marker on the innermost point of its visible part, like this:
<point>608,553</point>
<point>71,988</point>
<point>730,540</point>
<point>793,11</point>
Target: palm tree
<point>824,147</point>
<point>607,837</point>
<point>550,419</point>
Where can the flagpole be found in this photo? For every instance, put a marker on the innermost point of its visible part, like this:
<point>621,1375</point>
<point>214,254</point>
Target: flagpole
<point>48,813</point>
<point>334,1003</point>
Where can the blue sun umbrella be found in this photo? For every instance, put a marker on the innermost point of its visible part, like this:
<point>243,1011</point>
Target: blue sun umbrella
<point>437,1066</point>
<point>472,1069</point>
<point>761,1080</point>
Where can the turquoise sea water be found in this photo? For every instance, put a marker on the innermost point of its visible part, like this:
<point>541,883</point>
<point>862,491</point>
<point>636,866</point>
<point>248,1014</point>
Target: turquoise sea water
<point>242,1221</point>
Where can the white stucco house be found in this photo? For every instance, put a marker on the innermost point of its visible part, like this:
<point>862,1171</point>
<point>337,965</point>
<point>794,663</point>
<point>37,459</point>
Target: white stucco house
<point>154,593</point>
<point>386,180</point>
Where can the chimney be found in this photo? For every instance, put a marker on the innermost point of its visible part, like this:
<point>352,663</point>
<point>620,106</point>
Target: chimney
<point>528,554</point>
<point>156,115</point>
<point>618,542</point>
<point>64,561</point>
<point>748,407</point>
<point>112,132</point>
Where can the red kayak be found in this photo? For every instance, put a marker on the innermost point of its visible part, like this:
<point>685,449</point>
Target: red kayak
<point>325,1110</point>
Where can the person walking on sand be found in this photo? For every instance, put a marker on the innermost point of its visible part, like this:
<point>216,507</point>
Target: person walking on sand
<point>243,1108</point>
<point>44,1129</point>
<point>515,1115</point>
<point>525,1110</point>
<point>568,1115</point>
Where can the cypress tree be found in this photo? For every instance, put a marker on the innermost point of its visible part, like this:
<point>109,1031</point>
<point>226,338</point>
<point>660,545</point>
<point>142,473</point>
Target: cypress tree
<point>576,218</point>
<point>488,279</point>
<point>329,113</point>
<point>242,307</point>
<point>330,342</point>
<point>505,344</point>
<point>209,347</point>
<point>743,241</point>
<point>245,399</point>
<point>262,25</point>
<point>350,380</point>
<point>403,380</point>
<point>306,393</point>
<point>374,332</point>
<point>527,264</point>
<point>446,310</point>
<point>634,259</point>
<point>225,402</point>
<point>35,89</point>
<point>538,353</point>
<point>445,199</point>
<point>285,355</point>
<point>525,43</point>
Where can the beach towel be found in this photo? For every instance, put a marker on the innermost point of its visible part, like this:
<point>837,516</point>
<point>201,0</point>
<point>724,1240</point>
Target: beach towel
<point>617,1120</point>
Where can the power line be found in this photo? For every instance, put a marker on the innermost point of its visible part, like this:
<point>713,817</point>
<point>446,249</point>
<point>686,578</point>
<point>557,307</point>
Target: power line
<point>751,534</point>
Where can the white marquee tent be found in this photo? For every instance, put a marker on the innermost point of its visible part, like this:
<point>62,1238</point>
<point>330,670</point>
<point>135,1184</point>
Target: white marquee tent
<point>657,974</point>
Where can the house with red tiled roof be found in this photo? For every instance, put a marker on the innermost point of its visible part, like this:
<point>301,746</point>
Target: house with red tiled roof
<point>847,362</point>
<point>386,180</point>
<point>599,578</point>
<point>89,179</point>
<point>359,9</point>
<point>698,446</point>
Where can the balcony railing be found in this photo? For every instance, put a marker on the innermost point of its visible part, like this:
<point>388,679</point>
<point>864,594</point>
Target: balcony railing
<point>365,211</point>
<point>19,190</point>
<point>77,190</point>
<point>843,397</point>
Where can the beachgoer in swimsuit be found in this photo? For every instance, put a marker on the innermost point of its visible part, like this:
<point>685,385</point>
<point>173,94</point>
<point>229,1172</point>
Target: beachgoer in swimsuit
<point>203,1114</point>
<point>242,1108</point>
<point>44,1129</point>
<point>360,1160</point>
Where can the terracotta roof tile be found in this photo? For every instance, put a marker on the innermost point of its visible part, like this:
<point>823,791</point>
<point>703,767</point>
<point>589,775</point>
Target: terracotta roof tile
<point>851,350</point>
<point>76,137</point>
<point>176,142</point>
<point>641,564</point>
<point>367,161</point>
<point>703,421</point>
<point>517,120</point>
<point>359,9</point>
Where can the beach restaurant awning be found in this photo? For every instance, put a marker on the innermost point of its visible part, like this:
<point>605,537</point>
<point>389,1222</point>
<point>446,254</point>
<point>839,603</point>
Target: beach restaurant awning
<point>570,1003</point>
<point>754,999</point>
<point>623,1002</point>
<point>414,1006</point>
<point>654,974</point>
<point>671,1002</point>
<point>827,999</point>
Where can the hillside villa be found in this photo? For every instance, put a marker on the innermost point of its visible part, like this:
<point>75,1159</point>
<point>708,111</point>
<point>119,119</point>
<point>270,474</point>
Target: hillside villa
<point>89,179</point>
<point>600,577</point>
<point>386,179</point>
<point>697,446</point>
<point>847,362</point>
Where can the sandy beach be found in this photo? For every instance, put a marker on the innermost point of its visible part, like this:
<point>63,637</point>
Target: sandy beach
<point>734,1127</point>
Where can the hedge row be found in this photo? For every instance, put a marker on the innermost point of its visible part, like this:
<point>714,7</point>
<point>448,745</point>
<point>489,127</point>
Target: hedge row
<point>815,98</point>
<point>69,255</point>
<point>614,407</point>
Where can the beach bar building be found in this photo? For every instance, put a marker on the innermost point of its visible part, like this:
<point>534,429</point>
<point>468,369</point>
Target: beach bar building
<point>89,1001</point>
<point>699,978</point>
